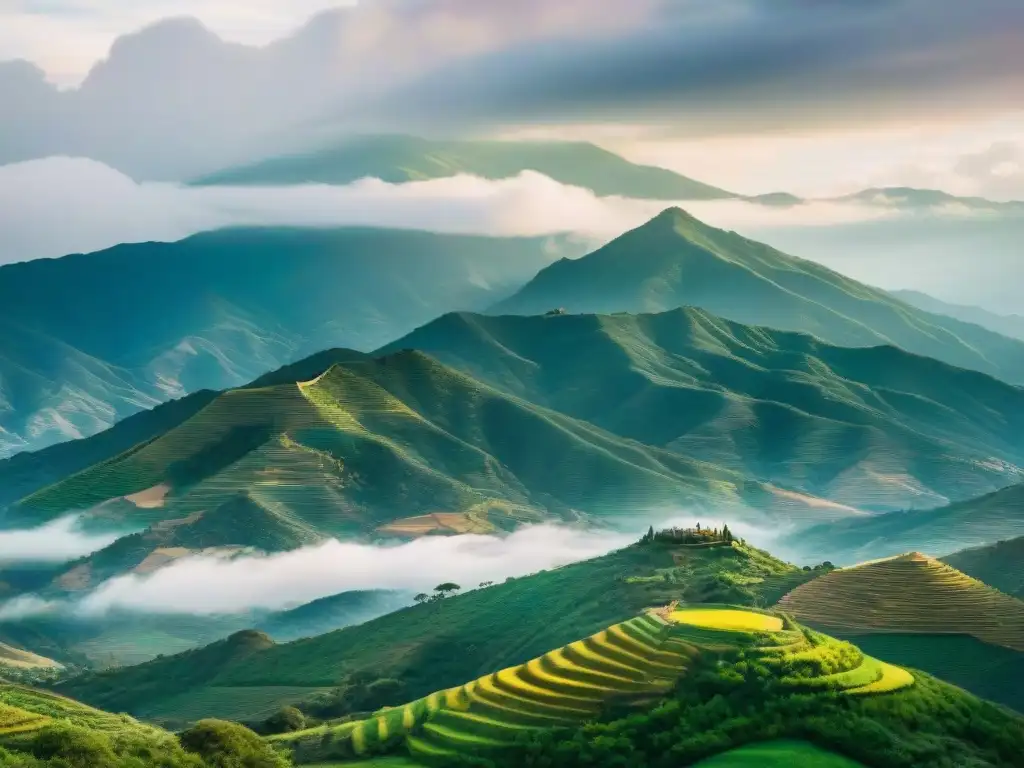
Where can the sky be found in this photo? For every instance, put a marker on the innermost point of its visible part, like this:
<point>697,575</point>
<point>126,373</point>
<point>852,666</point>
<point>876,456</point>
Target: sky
<point>815,97</point>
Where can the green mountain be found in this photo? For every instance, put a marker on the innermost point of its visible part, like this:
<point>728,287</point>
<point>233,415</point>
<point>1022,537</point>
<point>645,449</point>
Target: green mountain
<point>397,159</point>
<point>381,447</point>
<point>435,645</point>
<point>913,609</point>
<point>219,309</point>
<point>971,523</point>
<point>1000,565</point>
<point>922,199</point>
<point>1007,325</point>
<point>675,260</point>
<point>575,667</point>
<point>330,613</point>
<point>871,428</point>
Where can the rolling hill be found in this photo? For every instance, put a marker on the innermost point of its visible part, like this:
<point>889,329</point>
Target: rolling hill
<point>368,446</point>
<point>397,159</point>
<point>219,309</point>
<point>442,644</point>
<point>915,609</point>
<point>872,428</point>
<point>972,523</point>
<point>676,260</point>
<point>1000,565</point>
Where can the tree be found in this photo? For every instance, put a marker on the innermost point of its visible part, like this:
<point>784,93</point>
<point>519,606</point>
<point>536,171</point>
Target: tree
<point>447,588</point>
<point>422,597</point>
<point>285,720</point>
<point>222,744</point>
<point>486,584</point>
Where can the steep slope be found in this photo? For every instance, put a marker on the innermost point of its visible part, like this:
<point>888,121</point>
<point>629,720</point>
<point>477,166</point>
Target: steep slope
<point>330,613</point>
<point>873,428</point>
<point>1000,565</point>
<point>635,662</point>
<point>27,472</point>
<point>370,443</point>
<point>942,531</point>
<point>676,260</point>
<point>17,658</point>
<point>914,609</point>
<point>443,644</point>
<point>911,593</point>
<point>1007,325</point>
<point>398,159</point>
<point>217,310</point>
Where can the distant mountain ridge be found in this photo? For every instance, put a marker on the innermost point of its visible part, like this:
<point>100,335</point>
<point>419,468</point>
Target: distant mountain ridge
<point>871,427</point>
<point>397,159</point>
<point>90,339</point>
<point>676,260</point>
<point>1007,325</point>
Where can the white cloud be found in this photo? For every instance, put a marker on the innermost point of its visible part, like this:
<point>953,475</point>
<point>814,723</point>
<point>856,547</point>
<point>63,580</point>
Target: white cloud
<point>57,206</point>
<point>28,606</point>
<point>55,542</point>
<point>211,585</point>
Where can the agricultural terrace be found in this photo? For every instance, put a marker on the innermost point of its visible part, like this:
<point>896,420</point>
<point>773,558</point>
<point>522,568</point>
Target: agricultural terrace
<point>634,664</point>
<point>910,593</point>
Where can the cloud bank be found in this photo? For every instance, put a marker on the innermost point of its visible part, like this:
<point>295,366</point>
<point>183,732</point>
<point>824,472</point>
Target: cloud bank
<point>212,585</point>
<point>56,542</point>
<point>56,206</point>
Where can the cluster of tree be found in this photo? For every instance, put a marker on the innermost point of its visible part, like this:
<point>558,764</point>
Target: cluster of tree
<point>825,566</point>
<point>695,535</point>
<point>360,694</point>
<point>726,702</point>
<point>207,744</point>
<point>441,591</point>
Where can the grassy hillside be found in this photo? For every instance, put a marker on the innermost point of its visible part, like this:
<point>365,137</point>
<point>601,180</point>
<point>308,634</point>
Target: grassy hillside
<point>219,309</point>
<point>443,644</point>
<point>18,659</point>
<point>676,260</point>
<point>915,609</point>
<point>778,754</point>
<point>675,686</point>
<point>872,427</point>
<point>330,613</point>
<point>398,159</point>
<point>371,443</point>
<point>971,523</point>
<point>1000,565</point>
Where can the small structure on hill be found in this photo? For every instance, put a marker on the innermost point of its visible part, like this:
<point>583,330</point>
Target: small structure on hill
<point>696,536</point>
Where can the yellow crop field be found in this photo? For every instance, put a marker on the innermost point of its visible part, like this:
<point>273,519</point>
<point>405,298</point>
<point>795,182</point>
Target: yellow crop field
<point>727,619</point>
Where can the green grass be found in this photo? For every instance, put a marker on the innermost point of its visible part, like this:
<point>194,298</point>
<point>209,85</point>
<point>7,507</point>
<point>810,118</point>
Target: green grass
<point>868,428</point>
<point>445,644</point>
<point>1000,565</point>
<point>338,288</point>
<point>779,754</point>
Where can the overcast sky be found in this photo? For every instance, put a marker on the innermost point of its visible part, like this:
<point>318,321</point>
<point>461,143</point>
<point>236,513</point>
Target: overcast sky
<point>811,96</point>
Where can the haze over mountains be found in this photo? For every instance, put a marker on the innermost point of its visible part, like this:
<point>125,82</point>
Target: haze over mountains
<point>218,310</point>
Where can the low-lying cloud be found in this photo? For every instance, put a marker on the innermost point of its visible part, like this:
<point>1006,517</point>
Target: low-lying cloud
<point>56,542</point>
<point>217,585</point>
<point>57,206</point>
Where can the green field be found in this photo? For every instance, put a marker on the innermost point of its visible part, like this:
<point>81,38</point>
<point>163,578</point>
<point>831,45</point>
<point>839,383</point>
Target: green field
<point>634,662</point>
<point>447,643</point>
<point>779,754</point>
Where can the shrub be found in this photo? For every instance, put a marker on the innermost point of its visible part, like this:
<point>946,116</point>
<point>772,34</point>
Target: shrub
<point>286,720</point>
<point>222,744</point>
<point>74,747</point>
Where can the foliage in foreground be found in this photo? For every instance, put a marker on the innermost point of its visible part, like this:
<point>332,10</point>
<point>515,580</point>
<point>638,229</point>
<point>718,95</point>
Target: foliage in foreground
<point>732,700</point>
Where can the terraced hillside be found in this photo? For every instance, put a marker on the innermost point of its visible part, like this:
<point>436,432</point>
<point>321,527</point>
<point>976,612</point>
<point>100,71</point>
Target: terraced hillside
<point>1000,565</point>
<point>632,663</point>
<point>370,443</point>
<point>443,644</point>
<point>874,428</point>
<point>228,310</point>
<point>909,593</point>
<point>914,609</point>
<point>676,260</point>
<point>976,522</point>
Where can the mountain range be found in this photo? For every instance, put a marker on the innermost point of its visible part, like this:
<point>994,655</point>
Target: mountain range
<point>219,309</point>
<point>676,260</point>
